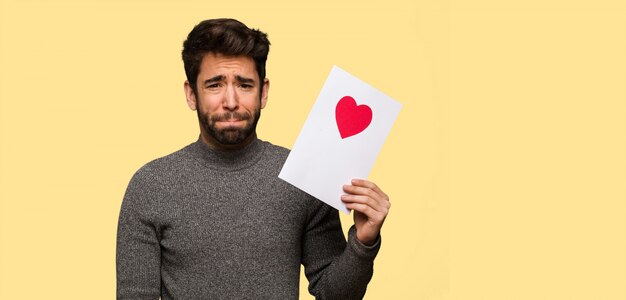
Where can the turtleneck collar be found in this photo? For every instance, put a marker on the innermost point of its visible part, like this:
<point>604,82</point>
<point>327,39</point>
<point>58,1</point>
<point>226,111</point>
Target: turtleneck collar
<point>228,160</point>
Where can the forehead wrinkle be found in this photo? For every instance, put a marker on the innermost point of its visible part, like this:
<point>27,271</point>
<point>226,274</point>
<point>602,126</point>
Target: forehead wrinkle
<point>240,68</point>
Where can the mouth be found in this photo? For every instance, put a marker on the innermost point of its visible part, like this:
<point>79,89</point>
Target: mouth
<point>232,122</point>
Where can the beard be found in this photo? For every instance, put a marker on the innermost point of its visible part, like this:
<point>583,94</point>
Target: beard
<point>230,135</point>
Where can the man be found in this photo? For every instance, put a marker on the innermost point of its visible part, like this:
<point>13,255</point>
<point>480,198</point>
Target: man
<point>213,220</point>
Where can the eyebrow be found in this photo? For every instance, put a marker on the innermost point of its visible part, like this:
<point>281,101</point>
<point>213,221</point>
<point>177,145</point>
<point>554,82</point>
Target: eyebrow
<point>214,79</point>
<point>219,78</point>
<point>244,79</point>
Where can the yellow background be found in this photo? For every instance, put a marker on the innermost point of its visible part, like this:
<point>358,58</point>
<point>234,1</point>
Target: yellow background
<point>506,167</point>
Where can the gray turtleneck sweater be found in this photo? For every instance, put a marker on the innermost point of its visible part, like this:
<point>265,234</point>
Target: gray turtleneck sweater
<point>205,224</point>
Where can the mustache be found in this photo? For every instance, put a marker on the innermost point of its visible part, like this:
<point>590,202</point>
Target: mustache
<point>230,116</point>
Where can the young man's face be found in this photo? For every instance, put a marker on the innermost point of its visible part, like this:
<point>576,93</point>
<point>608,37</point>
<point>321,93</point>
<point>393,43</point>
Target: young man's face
<point>229,100</point>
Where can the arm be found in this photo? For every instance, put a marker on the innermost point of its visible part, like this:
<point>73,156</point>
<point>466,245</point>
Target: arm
<point>138,253</point>
<point>335,269</point>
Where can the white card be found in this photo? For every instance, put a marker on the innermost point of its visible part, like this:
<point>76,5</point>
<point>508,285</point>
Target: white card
<point>341,138</point>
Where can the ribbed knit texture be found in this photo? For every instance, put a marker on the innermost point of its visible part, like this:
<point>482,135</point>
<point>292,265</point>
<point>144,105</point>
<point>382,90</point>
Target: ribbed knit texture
<point>205,224</point>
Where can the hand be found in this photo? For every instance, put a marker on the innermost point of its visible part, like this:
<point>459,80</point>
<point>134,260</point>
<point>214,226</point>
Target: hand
<point>371,206</point>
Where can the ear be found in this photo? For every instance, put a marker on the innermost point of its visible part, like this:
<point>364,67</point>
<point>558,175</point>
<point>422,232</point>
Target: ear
<point>191,96</point>
<point>265,87</point>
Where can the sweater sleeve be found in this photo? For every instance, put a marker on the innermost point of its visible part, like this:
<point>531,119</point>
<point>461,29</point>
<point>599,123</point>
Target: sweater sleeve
<point>138,252</point>
<point>335,269</point>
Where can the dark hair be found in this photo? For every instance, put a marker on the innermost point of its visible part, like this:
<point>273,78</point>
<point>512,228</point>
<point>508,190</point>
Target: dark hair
<point>227,37</point>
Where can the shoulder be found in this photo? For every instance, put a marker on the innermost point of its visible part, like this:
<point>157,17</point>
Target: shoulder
<point>145,190</point>
<point>162,167</point>
<point>276,152</point>
<point>273,157</point>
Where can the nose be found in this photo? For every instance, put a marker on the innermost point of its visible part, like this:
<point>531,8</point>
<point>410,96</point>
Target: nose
<point>231,100</point>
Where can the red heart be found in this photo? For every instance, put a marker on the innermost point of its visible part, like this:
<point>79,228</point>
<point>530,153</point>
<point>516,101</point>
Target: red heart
<point>351,119</point>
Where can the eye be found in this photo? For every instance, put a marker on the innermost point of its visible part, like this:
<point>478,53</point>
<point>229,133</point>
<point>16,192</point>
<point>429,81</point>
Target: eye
<point>245,86</point>
<point>213,86</point>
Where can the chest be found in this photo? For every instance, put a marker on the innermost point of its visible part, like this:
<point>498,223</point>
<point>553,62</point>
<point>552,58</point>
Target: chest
<point>231,218</point>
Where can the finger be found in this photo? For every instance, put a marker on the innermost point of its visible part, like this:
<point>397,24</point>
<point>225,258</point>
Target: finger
<point>373,215</point>
<point>368,184</point>
<point>380,200</point>
<point>364,191</point>
<point>361,190</point>
<point>364,200</point>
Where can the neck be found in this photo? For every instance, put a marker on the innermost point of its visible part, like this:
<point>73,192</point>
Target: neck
<point>228,160</point>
